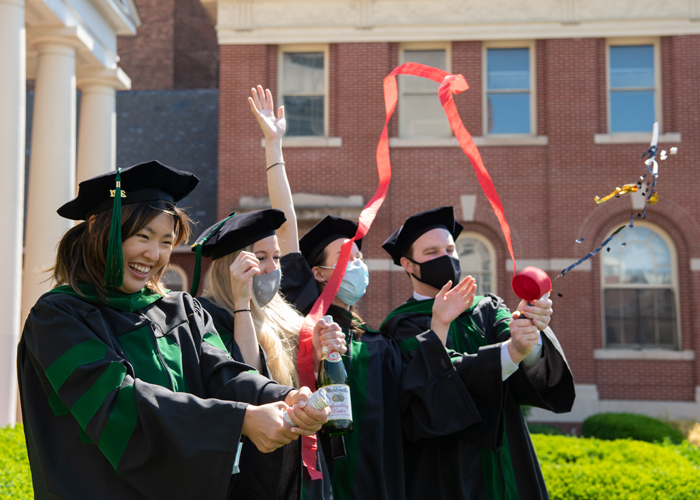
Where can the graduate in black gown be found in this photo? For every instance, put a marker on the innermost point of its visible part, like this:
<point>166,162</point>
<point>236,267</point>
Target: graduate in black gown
<point>127,390</point>
<point>390,399</point>
<point>494,457</point>
<point>261,329</point>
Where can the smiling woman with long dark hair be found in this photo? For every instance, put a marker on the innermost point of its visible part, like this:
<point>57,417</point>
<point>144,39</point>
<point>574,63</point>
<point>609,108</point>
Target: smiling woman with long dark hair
<point>120,379</point>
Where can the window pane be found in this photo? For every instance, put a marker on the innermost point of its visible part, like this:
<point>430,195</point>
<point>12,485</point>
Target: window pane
<point>632,66</point>
<point>509,113</point>
<point>640,318</point>
<point>304,115</point>
<point>434,58</point>
<point>638,264</point>
<point>508,69</point>
<point>303,73</point>
<point>423,116</point>
<point>632,111</point>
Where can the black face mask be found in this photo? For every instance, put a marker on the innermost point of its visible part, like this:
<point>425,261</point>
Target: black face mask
<point>439,271</point>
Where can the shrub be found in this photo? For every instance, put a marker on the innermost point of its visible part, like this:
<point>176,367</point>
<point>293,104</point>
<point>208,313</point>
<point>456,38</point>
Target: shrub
<point>15,476</point>
<point>588,469</point>
<point>629,426</point>
<point>536,428</point>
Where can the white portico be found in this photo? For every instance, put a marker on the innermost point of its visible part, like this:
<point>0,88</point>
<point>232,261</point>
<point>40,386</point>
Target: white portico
<point>65,46</point>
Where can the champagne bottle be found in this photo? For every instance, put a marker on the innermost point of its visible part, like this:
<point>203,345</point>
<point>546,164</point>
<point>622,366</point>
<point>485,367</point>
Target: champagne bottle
<point>334,379</point>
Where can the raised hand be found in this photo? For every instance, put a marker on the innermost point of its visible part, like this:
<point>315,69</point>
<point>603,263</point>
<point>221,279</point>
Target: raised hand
<point>242,271</point>
<point>264,111</point>
<point>449,304</point>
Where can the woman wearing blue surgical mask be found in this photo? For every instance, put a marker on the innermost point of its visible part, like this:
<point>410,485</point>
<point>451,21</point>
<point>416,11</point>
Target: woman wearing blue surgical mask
<point>390,401</point>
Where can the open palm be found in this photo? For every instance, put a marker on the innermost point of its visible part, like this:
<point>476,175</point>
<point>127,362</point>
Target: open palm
<point>264,110</point>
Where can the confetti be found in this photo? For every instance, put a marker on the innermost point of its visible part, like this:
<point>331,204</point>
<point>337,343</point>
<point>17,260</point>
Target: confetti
<point>623,244</point>
<point>608,249</point>
<point>580,240</point>
<point>627,188</point>
<point>653,199</point>
<point>674,151</point>
<point>560,295</point>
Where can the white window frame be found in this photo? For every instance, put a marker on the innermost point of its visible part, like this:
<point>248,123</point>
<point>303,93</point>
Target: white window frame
<point>183,275</point>
<point>492,254</point>
<point>281,50</point>
<point>616,42</point>
<point>509,44</point>
<point>403,47</point>
<point>674,286</point>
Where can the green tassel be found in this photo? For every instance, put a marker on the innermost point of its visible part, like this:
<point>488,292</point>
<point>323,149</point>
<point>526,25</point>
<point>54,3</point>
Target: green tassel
<point>198,256</point>
<point>197,269</point>
<point>114,271</point>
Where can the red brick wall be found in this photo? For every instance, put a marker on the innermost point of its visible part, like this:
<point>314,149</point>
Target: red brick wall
<point>174,48</point>
<point>547,191</point>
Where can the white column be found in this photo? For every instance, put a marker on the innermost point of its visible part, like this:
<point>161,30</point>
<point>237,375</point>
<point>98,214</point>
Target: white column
<point>97,139</point>
<point>12,131</point>
<point>52,163</point>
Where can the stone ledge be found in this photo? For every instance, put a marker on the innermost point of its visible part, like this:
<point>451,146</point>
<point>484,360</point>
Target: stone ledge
<point>647,354</point>
<point>635,138</point>
<point>309,142</point>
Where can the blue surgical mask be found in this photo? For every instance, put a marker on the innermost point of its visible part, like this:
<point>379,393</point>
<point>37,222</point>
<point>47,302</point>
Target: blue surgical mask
<point>265,286</point>
<point>354,283</point>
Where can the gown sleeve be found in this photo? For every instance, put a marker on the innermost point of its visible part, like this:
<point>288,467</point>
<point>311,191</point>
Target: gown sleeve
<point>549,383</point>
<point>298,284</point>
<point>164,444</point>
<point>446,392</point>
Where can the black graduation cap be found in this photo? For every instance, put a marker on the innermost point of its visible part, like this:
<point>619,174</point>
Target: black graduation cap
<point>234,233</point>
<point>150,181</point>
<point>328,230</point>
<point>416,226</point>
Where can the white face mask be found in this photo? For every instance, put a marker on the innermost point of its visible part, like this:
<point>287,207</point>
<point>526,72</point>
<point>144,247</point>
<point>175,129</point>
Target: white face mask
<point>355,281</point>
<point>265,286</point>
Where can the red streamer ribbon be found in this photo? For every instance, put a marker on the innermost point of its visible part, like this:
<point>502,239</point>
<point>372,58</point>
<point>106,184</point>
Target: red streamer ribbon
<point>449,84</point>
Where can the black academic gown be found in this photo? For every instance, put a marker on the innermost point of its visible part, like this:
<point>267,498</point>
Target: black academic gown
<point>483,461</point>
<point>136,400</point>
<point>277,475</point>
<point>393,397</point>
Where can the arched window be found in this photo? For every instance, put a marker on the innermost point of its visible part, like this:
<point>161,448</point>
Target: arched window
<point>640,289</point>
<point>477,257</point>
<point>175,278</point>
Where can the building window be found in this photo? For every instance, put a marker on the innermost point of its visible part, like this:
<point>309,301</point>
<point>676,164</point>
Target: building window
<point>175,278</point>
<point>421,115</point>
<point>640,290</point>
<point>509,89</point>
<point>477,257</point>
<point>633,84</point>
<point>303,89</point>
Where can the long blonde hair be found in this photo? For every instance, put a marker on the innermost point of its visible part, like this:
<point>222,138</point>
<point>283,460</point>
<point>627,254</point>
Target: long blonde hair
<point>277,324</point>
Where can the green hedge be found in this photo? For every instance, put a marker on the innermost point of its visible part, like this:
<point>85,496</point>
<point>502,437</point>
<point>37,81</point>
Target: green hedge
<point>629,425</point>
<point>15,477</point>
<point>593,469</point>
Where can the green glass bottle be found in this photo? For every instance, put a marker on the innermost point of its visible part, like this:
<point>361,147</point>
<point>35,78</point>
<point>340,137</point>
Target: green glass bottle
<point>333,377</point>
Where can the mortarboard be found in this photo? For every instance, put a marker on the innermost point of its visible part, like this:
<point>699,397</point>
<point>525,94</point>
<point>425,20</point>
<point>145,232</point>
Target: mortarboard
<point>150,181</point>
<point>328,230</point>
<point>416,226</point>
<point>234,233</point>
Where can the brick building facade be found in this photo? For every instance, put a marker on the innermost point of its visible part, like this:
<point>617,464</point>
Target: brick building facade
<point>575,147</point>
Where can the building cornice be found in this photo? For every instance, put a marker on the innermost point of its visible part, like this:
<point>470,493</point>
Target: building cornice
<point>291,22</point>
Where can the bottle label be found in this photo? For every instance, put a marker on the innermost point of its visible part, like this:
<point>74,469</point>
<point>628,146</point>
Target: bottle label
<point>333,356</point>
<point>341,407</point>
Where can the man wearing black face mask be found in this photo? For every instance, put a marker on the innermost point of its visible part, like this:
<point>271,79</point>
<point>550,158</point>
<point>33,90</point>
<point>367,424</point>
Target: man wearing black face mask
<point>502,359</point>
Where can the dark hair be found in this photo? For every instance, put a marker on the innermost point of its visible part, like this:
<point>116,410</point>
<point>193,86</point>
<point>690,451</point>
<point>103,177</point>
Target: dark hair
<point>82,252</point>
<point>320,260</point>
